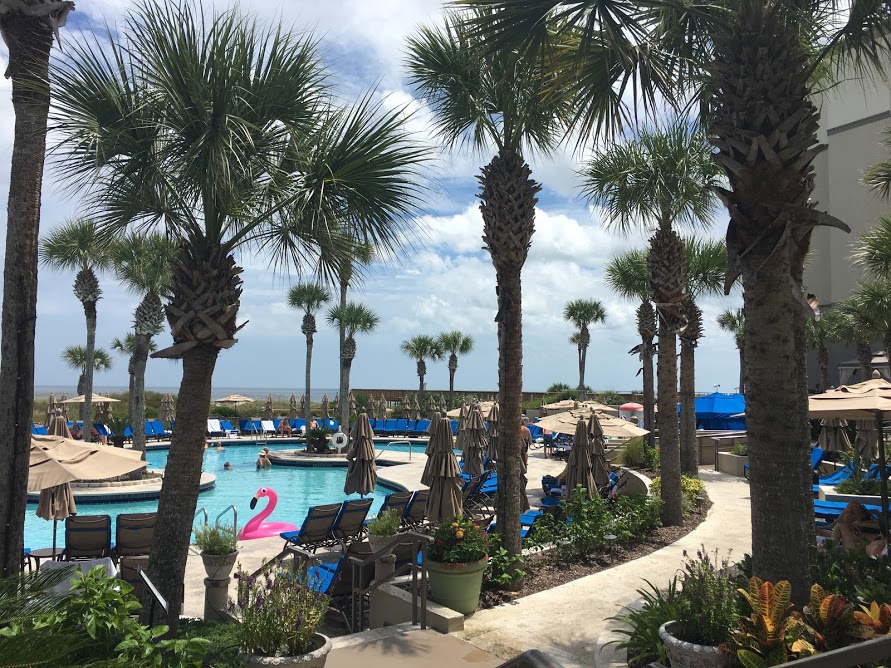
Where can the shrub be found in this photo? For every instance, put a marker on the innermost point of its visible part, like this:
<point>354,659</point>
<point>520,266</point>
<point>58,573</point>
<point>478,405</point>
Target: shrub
<point>503,568</point>
<point>740,449</point>
<point>610,398</point>
<point>707,607</point>
<point>458,542</point>
<point>692,489</point>
<point>643,643</point>
<point>385,524</point>
<point>853,574</point>
<point>633,517</point>
<point>216,538</point>
<point>853,485</point>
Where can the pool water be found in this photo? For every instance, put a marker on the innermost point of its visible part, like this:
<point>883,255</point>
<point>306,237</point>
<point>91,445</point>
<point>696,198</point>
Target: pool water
<point>297,487</point>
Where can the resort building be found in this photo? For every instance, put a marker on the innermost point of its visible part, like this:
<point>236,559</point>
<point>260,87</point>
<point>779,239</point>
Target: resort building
<point>854,116</point>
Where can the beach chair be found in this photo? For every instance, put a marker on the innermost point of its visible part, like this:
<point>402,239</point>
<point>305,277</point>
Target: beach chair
<point>87,537</point>
<point>421,427</point>
<point>38,429</point>
<point>350,522</point>
<point>133,534</point>
<point>316,530</point>
<point>214,428</point>
<point>128,571</point>
<point>397,501</point>
<point>228,429</point>
<point>401,426</point>
<point>267,427</point>
<point>416,512</point>
<point>330,423</point>
<point>454,424</point>
<point>527,521</point>
<point>160,431</point>
<point>411,427</point>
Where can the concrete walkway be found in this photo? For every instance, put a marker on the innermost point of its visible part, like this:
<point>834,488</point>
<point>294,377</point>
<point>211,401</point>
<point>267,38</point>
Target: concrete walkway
<point>570,621</point>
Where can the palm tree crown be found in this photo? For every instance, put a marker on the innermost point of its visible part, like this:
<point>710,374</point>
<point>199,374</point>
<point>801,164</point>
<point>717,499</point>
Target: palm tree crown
<point>626,275</point>
<point>127,345</point>
<point>76,358</point>
<point>307,297</point>
<point>356,318</point>
<point>733,321</point>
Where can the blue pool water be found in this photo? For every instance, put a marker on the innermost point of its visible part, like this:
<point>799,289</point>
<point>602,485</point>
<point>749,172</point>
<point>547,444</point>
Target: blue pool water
<point>298,488</point>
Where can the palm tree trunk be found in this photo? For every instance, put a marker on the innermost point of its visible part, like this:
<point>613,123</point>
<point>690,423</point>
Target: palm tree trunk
<point>89,369</point>
<point>453,367</point>
<point>344,407</point>
<point>140,359</point>
<point>742,369</point>
<point>179,493</point>
<point>421,388</point>
<point>583,356</point>
<point>669,451</point>
<point>346,364</point>
<point>307,409</point>
<point>689,458</point>
<point>649,400</point>
<point>864,357</point>
<point>29,43</point>
<point>131,389</point>
<point>823,356</point>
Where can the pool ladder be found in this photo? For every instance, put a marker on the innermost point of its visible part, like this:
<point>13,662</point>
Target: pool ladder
<point>381,450</point>
<point>230,507</point>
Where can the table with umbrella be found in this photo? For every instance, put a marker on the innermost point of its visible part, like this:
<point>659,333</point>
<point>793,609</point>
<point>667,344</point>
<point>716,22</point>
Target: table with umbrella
<point>96,400</point>
<point>361,471</point>
<point>442,475</point>
<point>492,420</point>
<point>833,436</point>
<point>235,399</point>
<point>613,427</point>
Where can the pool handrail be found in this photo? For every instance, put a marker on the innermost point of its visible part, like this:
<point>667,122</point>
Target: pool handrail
<point>200,511</point>
<point>381,450</point>
<point>225,510</point>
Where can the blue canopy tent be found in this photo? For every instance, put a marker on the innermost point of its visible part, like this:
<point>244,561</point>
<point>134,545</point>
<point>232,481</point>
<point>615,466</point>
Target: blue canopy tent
<point>713,411</point>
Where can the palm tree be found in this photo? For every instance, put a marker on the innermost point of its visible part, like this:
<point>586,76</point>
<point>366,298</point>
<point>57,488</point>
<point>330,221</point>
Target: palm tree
<point>661,180</point>
<point>706,267</point>
<point>308,297</point>
<point>480,99</point>
<point>27,28</point>
<point>821,331</point>
<point>75,357</point>
<point>355,319</point>
<point>873,299</point>
<point>581,313</point>
<point>142,263</point>
<point>626,275</point>
<point>752,66</point>
<point>853,326</point>
<point>127,347</point>
<point>421,348</point>
<point>79,246</point>
<point>289,173</point>
<point>454,343</point>
<point>734,321</point>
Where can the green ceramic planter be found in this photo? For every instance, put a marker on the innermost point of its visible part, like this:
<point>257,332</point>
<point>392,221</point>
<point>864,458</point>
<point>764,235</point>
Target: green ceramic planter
<point>457,586</point>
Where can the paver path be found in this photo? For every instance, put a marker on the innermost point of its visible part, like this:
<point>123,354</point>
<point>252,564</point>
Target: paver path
<point>569,621</point>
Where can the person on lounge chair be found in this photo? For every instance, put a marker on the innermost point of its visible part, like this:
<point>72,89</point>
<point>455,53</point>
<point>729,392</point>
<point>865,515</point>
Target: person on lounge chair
<point>75,432</point>
<point>284,428</point>
<point>96,437</point>
<point>855,530</point>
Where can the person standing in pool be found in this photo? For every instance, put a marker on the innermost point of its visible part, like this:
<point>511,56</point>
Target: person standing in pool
<point>263,460</point>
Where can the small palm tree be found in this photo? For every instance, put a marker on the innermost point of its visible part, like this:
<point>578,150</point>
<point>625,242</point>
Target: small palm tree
<point>76,358</point>
<point>454,343</point>
<point>355,319</point>
<point>142,263</point>
<point>308,297</point>
<point>626,275</point>
<point>79,246</point>
<point>873,299</point>
<point>127,347</point>
<point>821,331</point>
<point>581,313</point>
<point>734,321</point>
<point>421,348</point>
<point>853,325</point>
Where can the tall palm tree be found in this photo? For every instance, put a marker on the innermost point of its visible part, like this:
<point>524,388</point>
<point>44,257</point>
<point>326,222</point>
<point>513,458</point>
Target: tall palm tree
<point>421,348</point>
<point>27,28</point>
<point>753,65</point>
<point>454,343</point>
<point>142,263</point>
<point>661,180</point>
<point>75,357</point>
<point>821,331</point>
<point>79,246</point>
<point>355,319</point>
<point>289,173</point>
<point>852,325</point>
<point>734,321</point>
<point>481,99</point>
<point>706,266</point>
<point>626,275</point>
<point>127,347</point>
<point>308,297</point>
<point>581,313</point>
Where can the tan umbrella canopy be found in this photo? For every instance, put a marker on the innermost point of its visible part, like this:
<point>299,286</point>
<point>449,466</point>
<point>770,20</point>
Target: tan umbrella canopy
<point>292,408</point>
<point>492,419</point>
<point>267,409</point>
<point>867,439</point>
<point>474,442</point>
<point>325,414</point>
<point>573,405</point>
<point>442,474</point>
<point>565,422</point>
<point>485,408</point>
<point>833,436</point>
<point>579,466</point>
<point>361,472</point>
<point>55,460</point>
<point>64,406</point>
<point>97,398</point>
<point>463,412</point>
<point>235,399</point>
<point>50,410</point>
<point>598,456</point>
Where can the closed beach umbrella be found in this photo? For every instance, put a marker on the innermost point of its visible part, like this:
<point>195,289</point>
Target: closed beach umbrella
<point>56,503</point>
<point>103,412</point>
<point>867,439</point>
<point>267,410</point>
<point>50,410</point>
<point>336,401</point>
<point>325,414</point>
<point>292,408</point>
<point>598,457</point>
<point>431,407</point>
<point>406,406</point>
<point>492,419</point>
<point>442,405</point>
<point>474,442</point>
<point>58,426</point>
<point>361,472</point>
<point>543,410</point>
<point>64,406</point>
<point>381,408</point>
<point>352,403</point>
<point>579,469</point>
<point>833,436</point>
<point>431,429</point>
<point>442,474</point>
<point>415,408</point>
<point>302,404</point>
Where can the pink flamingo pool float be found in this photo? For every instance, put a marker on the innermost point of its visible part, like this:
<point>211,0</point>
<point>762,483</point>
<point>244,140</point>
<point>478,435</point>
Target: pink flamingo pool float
<point>256,527</point>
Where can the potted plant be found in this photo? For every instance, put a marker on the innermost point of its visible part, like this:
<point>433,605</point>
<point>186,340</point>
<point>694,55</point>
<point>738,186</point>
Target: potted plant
<point>219,549</point>
<point>317,439</point>
<point>707,613</point>
<point>117,424</point>
<point>455,564</point>
<point>280,615</point>
<point>382,529</point>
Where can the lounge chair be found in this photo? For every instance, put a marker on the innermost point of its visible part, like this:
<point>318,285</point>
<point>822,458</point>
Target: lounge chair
<point>128,571</point>
<point>214,428</point>
<point>416,512</point>
<point>527,521</point>
<point>298,424</point>
<point>329,423</point>
<point>133,534</point>
<point>38,429</point>
<point>401,426</point>
<point>87,537</point>
<point>472,493</point>
<point>350,523</point>
<point>160,431</point>
<point>267,427</point>
<point>397,501</point>
<point>228,429</point>
<point>316,530</point>
<point>421,427</point>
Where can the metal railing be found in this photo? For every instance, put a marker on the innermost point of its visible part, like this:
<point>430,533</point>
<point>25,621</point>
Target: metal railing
<point>382,449</point>
<point>200,511</point>
<point>234,516</point>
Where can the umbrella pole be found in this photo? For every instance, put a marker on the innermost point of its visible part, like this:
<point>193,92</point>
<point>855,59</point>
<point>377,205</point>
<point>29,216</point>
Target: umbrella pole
<point>883,477</point>
<point>55,524</point>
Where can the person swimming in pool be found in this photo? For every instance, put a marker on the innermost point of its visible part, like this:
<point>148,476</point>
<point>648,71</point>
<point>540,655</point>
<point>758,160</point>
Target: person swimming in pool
<point>227,466</point>
<point>263,460</point>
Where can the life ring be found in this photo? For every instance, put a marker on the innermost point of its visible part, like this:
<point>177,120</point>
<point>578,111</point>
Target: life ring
<point>340,440</point>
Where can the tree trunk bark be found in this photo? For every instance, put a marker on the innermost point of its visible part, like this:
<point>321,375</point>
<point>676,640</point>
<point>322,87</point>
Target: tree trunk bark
<point>140,360</point>
<point>689,455</point>
<point>777,426</point>
<point>179,493</point>
<point>583,355</point>
<point>29,42</point>
<point>307,409</point>
<point>742,369</point>
<point>345,365</point>
<point>421,388</point>
<point>344,407</point>
<point>669,452</point>
<point>453,367</point>
<point>823,355</point>
<point>649,400</point>
<point>510,385</point>
<point>89,369</point>
<point>864,356</point>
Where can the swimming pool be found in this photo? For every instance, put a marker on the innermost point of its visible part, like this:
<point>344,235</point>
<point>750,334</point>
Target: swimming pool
<point>298,488</point>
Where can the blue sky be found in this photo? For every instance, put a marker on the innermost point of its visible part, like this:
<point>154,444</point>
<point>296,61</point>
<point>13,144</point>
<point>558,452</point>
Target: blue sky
<point>447,284</point>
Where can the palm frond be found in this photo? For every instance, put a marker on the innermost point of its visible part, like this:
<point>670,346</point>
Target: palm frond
<point>584,312</point>
<point>455,342</point>
<point>421,347</point>
<point>76,245</point>
<point>627,276</point>
<point>76,358</point>
<point>873,251</point>
<point>706,266</point>
<point>141,262</point>
<point>307,297</point>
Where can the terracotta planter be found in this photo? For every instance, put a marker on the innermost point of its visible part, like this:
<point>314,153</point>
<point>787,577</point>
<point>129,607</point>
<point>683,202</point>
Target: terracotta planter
<point>684,654</point>
<point>457,586</point>
<point>315,658</point>
<point>219,566</point>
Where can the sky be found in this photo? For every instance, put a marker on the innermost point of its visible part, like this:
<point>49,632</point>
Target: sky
<point>447,283</point>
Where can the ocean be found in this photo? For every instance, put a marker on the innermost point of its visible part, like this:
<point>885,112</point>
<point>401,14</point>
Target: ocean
<point>279,394</point>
